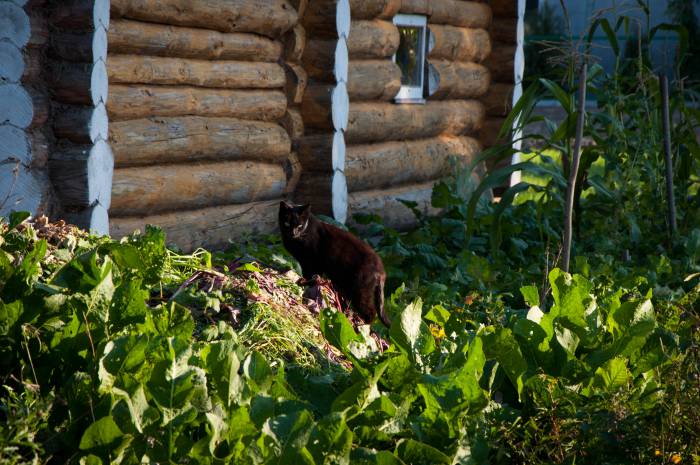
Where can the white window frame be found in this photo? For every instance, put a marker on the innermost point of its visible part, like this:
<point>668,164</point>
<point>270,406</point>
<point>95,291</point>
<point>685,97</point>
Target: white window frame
<point>413,94</point>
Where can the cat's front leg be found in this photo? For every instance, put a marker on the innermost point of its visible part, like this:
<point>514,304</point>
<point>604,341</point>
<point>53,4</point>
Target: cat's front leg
<point>309,274</point>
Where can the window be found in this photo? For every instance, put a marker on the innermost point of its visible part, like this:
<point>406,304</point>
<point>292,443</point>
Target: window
<point>411,57</point>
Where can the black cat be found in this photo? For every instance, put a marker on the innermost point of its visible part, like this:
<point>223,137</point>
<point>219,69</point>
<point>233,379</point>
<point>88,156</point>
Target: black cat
<point>353,267</point>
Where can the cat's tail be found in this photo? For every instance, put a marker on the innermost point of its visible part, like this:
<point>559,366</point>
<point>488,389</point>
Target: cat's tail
<point>379,301</point>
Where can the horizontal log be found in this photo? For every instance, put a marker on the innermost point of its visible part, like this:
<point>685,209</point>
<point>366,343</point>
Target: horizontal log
<point>270,18</point>
<point>339,202</point>
<point>293,123</point>
<point>460,44</point>
<point>373,39</point>
<point>29,148</point>
<point>82,175</point>
<point>213,227</point>
<point>322,152</point>
<point>39,146</point>
<point>172,140</point>
<point>460,80</point>
<point>14,24</point>
<point>132,102</point>
<point>453,12</point>
<point>23,107</point>
<point>323,18</point>
<point>318,59</point>
<point>504,29</point>
<point>155,189</point>
<point>326,107</point>
<point>498,100</point>
<point>507,8</point>
<point>40,28</point>
<point>373,80</point>
<point>23,189</point>
<point>80,124</point>
<point>136,69</point>
<point>82,47</point>
<point>386,204</point>
<point>80,14</point>
<point>78,83</point>
<point>341,61</point>
<point>316,107</point>
<point>11,62</point>
<point>14,145</point>
<point>294,44</point>
<point>369,9</point>
<point>408,162</point>
<point>33,64</point>
<point>325,192</point>
<point>368,80</point>
<point>42,106</point>
<point>488,136</point>
<point>135,37</point>
<point>501,63</point>
<point>16,105</point>
<point>72,46</point>
<point>373,122</point>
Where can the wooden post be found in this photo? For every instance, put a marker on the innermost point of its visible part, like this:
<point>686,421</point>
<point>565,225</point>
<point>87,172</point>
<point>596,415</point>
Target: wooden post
<point>571,187</point>
<point>667,155</point>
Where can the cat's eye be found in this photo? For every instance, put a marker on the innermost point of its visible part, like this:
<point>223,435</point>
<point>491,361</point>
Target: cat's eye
<point>286,224</point>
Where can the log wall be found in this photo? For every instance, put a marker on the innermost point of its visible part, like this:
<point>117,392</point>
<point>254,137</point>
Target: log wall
<point>126,112</point>
<point>325,106</point>
<point>80,162</point>
<point>204,109</point>
<point>396,151</point>
<point>24,108</point>
<point>505,74</point>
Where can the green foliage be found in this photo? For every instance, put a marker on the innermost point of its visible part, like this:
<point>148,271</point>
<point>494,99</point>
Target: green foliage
<point>128,352</point>
<point>107,371</point>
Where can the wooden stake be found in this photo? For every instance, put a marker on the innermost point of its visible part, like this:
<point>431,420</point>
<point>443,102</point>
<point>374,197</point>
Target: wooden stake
<point>667,155</point>
<point>571,187</point>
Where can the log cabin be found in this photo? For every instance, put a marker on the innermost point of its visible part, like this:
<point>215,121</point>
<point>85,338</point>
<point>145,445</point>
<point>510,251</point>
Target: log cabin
<point>199,116</point>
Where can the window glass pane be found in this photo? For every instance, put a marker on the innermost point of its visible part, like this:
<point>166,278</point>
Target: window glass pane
<point>409,56</point>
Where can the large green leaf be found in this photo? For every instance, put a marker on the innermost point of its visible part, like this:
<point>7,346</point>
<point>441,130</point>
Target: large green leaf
<point>501,345</point>
<point>128,304</point>
<point>339,332</point>
<point>573,300</point>
<point>331,440</point>
<point>104,433</point>
<point>179,389</point>
<point>613,375</point>
<point>411,334</point>
<point>415,452</point>
<point>222,366</point>
<point>287,436</point>
<point>25,274</point>
<point>257,370</point>
<point>361,394</point>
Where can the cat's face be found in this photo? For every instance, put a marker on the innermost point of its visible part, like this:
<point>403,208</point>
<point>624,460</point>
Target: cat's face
<point>293,219</point>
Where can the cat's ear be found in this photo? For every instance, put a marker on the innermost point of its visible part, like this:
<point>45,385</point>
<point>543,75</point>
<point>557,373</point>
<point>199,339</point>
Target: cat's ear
<point>305,209</point>
<point>285,206</point>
